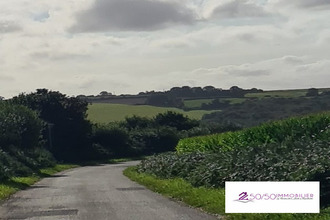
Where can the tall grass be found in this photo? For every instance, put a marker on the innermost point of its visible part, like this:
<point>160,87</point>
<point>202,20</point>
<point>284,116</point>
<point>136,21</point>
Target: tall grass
<point>314,126</point>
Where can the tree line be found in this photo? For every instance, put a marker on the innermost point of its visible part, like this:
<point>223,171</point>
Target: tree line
<point>42,127</point>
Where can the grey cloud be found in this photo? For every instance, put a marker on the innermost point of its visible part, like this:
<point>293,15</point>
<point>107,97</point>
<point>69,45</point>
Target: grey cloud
<point>6,78</point>
<point>131,15</point>
<point>307,4</point>
<point>57,56</point>
<point>293,60</point>
<point>9,26</point>
<point>238,9</point>
<point>250,38</point>
<point>248,73</point>
<point>317,4</point>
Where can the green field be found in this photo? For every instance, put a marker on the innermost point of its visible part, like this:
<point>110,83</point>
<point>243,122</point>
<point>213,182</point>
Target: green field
<point>278,93</point>
<point>196,103</point>
<point>105,113</point>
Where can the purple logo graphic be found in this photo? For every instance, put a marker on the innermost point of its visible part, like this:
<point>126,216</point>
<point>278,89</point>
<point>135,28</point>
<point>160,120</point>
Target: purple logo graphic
<point>243,196</point>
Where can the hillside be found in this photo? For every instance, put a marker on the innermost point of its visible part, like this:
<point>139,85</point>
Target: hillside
<point>105,113</point>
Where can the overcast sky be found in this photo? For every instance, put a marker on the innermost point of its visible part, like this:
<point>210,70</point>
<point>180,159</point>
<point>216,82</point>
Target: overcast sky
<point>129,46</point>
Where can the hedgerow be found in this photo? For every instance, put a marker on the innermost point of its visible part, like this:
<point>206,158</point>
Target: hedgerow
<point>21,143</point>
<point>302,160</point>
<point>312,127</point>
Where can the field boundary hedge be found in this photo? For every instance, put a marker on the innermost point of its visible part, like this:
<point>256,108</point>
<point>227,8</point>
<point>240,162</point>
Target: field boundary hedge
<point>315,126</point>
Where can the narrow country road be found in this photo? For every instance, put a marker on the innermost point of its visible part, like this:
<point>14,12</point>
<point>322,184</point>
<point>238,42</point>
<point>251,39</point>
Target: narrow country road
<point>94,193</point>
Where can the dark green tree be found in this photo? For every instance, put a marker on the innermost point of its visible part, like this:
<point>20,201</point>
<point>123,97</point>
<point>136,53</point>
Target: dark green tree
<point>70,130</point>
<point>312,92</point>
<point>19,127</point>
<point>176,120</point>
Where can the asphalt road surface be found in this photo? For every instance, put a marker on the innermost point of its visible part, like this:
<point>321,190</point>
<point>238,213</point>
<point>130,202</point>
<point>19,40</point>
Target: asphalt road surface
<point>94,193</point>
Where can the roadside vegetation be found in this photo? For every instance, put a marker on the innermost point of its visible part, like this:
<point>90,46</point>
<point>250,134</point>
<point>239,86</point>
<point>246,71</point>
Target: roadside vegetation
<point>315,127</point>
<point>210,200</point>
<point>296,149</point>
<point>14,184</point>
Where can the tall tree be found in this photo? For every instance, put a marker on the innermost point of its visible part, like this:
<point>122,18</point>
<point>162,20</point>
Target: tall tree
<point>66,117</point>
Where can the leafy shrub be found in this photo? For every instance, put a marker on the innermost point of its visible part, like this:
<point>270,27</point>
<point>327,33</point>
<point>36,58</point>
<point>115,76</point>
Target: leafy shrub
<point>300,160</point>
<point>153,140</point>
<point>19,126</point>
<point>312,126</point>
<point>21,143</point>
<point>71,130</point>
<point>175,120</point>
<point>11,166</point>
<point>112,138</point>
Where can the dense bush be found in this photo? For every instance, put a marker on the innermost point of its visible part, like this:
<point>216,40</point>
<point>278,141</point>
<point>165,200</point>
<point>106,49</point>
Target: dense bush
<point>112,140</point>
<point>296,149</point>
<point>312,126</point>
<point>175,120</point>
<point>19,126</point>
<point>21,143</point>
<point>142,136</point>
<point>300,160</point>
<point>70,130</point>
<point>154,140</point>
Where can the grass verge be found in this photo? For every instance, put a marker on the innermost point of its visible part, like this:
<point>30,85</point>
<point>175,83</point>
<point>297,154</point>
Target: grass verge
<point>15,184</point>
<point>207,199</point>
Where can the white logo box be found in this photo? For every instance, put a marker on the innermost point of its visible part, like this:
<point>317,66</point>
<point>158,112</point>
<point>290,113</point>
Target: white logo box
<point>272,197</point>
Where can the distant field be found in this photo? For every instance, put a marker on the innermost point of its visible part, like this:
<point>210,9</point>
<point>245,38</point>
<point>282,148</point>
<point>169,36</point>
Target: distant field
<point>197,103</point>
<point>105,113</point>
<point>278,93</point>
<point>283,93</point>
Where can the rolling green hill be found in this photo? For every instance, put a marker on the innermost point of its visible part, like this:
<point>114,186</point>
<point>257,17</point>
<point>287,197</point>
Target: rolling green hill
<point>105,113</point>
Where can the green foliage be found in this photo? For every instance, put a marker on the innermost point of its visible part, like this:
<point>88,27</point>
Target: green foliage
<point>312,126</point>
<point>296,149</point>
<point>211,200</point>
<point>153,140</point>
<point>312,92</point>
<point>137,122</point>
<point>113,139</point>
<point>301,160</point>
<point>14,184</point>
<point>255,111</point>
<point>21,151</point>
<point>71,130</point>
<point>19,126</point>
<point>18,162</point>
<point>175,120</point>
<point>142,136</point>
